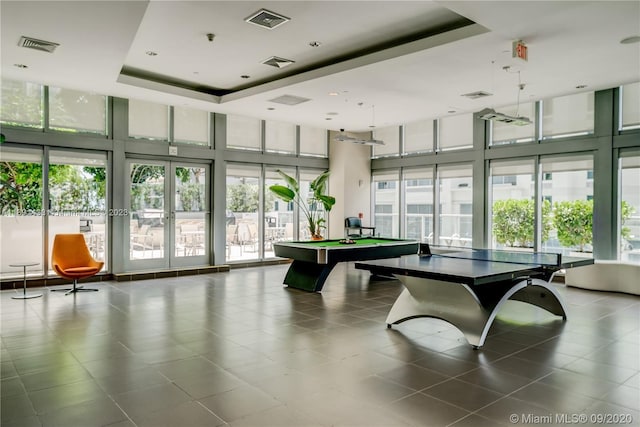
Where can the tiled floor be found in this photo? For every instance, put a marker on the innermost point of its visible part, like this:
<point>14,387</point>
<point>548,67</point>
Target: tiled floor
<point>239,349</point>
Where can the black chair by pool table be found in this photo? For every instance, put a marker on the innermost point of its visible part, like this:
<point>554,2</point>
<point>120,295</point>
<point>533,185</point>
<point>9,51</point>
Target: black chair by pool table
<point>353,223</point>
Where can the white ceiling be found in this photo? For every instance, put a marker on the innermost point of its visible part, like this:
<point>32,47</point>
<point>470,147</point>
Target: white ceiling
<point>410,59</point>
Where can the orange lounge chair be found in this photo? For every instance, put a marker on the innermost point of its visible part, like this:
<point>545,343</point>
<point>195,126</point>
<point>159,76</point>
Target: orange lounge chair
<point>71,259</point>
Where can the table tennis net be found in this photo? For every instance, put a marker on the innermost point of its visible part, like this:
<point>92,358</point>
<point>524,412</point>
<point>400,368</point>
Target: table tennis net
<point>493,255</point>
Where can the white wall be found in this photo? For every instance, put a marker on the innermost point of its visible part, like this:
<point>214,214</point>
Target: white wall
<point>349,182</point>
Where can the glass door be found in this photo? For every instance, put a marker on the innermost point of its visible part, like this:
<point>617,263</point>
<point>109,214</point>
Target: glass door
<point>190,215</point>
<point>169,217</point>
<point>148,215</point>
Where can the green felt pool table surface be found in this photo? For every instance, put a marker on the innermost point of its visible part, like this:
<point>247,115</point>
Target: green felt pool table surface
<point>357,242</point>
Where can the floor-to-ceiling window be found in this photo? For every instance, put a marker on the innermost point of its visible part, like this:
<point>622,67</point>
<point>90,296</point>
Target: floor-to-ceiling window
<point>306,178</point>
<point>418,204</point>
<point>278,215</point>
<point>455,196</point>
<point>256,218</point>
<point>512,205</point>
<point>53,191</point>
<point>243,211</point>
<point>78,198</point>
<point>82,116</point>
<point>163,189</point>
<point>22,211</point>
<point>629,207</point>
<point>386,203</point>
<point>567,185</point>
<point>75,201</point>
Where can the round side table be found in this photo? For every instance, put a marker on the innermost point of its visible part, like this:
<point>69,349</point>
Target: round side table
<point>24,266</point>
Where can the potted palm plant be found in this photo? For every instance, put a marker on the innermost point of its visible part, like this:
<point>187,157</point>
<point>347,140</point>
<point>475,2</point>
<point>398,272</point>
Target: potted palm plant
<point>291,193</point>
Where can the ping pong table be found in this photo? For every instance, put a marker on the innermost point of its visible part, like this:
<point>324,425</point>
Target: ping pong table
<point>468,288</point>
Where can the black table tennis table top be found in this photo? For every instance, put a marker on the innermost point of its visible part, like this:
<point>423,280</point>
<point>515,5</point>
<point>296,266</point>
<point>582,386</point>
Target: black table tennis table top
<point>475,266</point>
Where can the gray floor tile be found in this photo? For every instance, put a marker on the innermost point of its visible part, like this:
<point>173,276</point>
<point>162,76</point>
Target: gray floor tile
<point>494,379</point>
<point>54,378</point>
<point>66,395</point>
<point>190,414</point>
<point>420,409</point>
<point>554,399</point>
<point>140,402</point>
<point>93,413</point>
<point>464,395</point>
<point>209,384</point>
<point>625,396</point>
<point>239,402</point>
<point>413,376</point>
<point>512,411</point>
<point>239,348</point>
<point>15,407</point>
<point>281,416</point>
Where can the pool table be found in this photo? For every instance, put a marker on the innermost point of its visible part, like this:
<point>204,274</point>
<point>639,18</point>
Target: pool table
<point>314,260</point>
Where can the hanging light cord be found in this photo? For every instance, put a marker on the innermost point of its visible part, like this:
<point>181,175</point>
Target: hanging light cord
<point>521,85</point>
<point>520,88</point>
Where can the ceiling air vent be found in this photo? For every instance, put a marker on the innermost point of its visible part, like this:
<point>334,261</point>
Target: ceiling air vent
<point>277,62</point>
<point>289,100</point>
<point>36,44</point>
<point>476,95</point>
<point>267,19</point>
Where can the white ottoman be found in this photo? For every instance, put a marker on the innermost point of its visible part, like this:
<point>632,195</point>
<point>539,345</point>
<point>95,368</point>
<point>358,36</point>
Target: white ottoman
<point>606,275</point>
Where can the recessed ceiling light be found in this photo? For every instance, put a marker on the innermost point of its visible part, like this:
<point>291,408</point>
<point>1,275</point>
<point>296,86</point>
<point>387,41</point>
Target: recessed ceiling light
<point>151,53</point>
<point>270,108</point>
<point>20,65</point>
<point>328,118</point>
<point>314,44</point>
<point>581,86</point>
<point>332,113</point>
<point>451,111</point>
<point>245,76</point>
<point>630,40</point>
<point>333,94</point>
